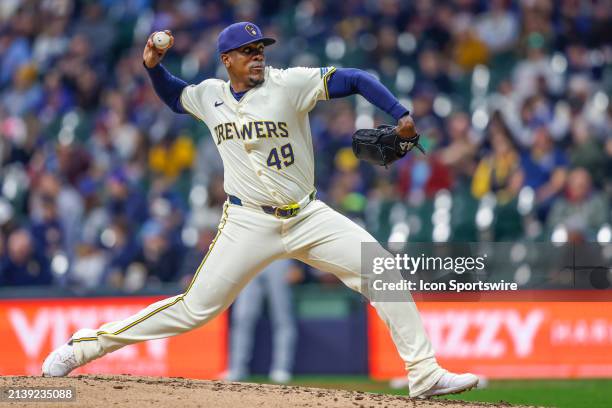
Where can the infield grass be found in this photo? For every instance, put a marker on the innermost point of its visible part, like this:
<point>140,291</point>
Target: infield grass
<point>548,393</point>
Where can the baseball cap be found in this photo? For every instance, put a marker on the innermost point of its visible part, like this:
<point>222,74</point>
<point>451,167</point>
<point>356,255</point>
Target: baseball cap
<point>239,34</point>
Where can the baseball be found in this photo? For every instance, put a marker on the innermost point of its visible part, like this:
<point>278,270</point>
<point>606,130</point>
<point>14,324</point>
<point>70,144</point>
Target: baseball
<point>161,40</point>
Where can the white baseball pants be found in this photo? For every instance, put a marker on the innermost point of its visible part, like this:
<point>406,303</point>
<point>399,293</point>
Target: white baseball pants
<point>247,241</point>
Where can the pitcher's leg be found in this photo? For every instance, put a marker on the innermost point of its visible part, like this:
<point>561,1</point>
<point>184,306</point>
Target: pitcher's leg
<point>331,242</point>
<point>221,275</point>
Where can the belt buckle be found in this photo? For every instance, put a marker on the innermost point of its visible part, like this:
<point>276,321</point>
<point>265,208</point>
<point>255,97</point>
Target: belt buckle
<point>290,210</point>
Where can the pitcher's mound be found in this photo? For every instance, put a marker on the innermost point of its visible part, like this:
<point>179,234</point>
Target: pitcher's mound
<point>138,392</point>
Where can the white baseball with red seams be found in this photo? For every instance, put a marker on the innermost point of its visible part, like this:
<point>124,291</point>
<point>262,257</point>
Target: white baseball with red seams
<point>161,40</point>
<point>265,143</point>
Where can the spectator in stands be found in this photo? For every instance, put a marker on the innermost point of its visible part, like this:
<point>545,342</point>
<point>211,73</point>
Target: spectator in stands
<point>587,152</point>
<point>47,233</point>
<point>52,198</point>
<point>124,200</point>
<point>96,28</point>
<point>160,258</point>
<point>90,262</point>
<point>582,211</point>
<point>172,156</point>
<point>22,265</point>
<point>460,153</point>
<point>498,28</point>
<point>96,216</point>
<point>422,176</point>
<point>499,171</point>
<point>349,184</point>
<point>435,27</point>
<point>535,112</point>
<point>432,73</point>
<point>25,94</point>
<point>122,249</point>
<point>50,44</point>
<point>545,169</point>
<point>422,107</point>
<point>16,51</point>
<point>56,98</point>
<point>469,50</point>
<point>536,65</point>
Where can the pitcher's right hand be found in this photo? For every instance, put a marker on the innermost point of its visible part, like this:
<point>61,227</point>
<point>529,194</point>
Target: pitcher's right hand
<point>153,56</point>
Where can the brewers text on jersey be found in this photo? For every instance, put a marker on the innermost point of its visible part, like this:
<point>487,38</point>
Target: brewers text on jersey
<point>247,131</point>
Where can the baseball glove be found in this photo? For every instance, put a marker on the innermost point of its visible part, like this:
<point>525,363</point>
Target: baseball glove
<point>382,145</point>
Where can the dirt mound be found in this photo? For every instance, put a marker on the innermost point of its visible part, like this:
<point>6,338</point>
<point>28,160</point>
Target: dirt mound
<point>128,391</point>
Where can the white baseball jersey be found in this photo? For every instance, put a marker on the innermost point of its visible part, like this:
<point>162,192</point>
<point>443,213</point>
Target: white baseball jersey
<point>264,139</point>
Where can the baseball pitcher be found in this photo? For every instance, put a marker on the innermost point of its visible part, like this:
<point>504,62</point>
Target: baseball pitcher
<point>259,122</point>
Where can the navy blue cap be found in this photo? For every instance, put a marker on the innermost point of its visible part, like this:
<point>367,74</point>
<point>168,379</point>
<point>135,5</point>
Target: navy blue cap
<point>239,34</point>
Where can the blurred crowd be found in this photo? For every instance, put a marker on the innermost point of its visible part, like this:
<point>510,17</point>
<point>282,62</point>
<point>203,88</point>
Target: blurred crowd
<point>102,185</point>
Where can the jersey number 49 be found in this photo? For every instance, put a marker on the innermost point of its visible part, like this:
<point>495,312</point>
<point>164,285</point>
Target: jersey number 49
<point>286,151</point>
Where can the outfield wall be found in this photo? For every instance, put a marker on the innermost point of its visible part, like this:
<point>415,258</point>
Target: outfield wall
<point>30,328</point>
<point>507,339</point>
<point>495,339</point>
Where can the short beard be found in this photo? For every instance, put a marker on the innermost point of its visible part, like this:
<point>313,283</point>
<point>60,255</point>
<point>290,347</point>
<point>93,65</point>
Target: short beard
<point>256,81</point>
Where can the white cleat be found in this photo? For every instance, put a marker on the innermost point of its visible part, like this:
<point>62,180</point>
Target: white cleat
<point>399,383</point>
<point>60,362</point>
<point>451,383</point>
<point>234,376</point>
<point>280,376</point>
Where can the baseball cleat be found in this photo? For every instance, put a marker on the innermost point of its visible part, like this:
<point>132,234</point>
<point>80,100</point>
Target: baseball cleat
<point>399,383</point>
<point>451,384</point>
<point>280,376</point>
<point>234,376</point>
<point>60,362</point>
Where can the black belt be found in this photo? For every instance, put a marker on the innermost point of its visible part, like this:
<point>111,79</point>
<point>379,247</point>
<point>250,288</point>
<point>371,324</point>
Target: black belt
<point>285,211</point>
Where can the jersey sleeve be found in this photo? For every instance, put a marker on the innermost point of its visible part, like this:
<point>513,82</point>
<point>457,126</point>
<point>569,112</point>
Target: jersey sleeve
<point>306,86</point>
<point>193,100</point>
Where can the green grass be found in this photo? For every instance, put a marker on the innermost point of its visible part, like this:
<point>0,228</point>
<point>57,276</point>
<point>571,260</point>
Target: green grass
<point>549,393</point>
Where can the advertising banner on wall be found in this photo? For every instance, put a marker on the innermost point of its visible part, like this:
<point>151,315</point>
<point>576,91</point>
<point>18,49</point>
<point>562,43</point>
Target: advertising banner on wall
<point>30,329</point>
<point>506,339</point>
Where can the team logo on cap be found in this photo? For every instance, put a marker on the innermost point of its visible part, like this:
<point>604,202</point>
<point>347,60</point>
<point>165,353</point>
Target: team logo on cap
<point>251,30</point>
